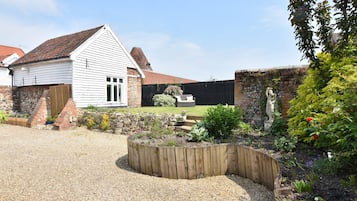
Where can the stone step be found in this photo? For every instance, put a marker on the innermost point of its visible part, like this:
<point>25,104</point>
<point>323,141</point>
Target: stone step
<point>194,117</point>
<point>190,122</point>
<point>186,129</point>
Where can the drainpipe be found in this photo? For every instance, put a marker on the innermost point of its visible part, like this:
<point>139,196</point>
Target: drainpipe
<point>11,72</point>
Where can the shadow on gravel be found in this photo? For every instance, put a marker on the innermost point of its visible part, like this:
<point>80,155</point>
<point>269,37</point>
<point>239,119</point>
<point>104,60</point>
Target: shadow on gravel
<point>246,184</point>
<point>254,193</point>
<point>122,163</point>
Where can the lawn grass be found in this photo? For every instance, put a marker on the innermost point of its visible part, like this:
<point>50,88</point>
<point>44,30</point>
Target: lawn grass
<point>199,110</point>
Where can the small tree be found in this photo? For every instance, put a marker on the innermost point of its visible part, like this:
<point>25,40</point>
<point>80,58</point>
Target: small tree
<point>173,90</point>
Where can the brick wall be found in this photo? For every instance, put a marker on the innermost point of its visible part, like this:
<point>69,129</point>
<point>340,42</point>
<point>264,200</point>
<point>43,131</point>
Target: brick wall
<point>68,117</point>
<point>6,101</point>
<point>134,88</point>
<point>250,86</point>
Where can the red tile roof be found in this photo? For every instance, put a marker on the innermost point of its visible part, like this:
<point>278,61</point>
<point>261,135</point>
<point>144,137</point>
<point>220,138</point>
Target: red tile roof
<point>57,48</point>
<point>6,51</point>
<point>140,58</point>
<point>158,78</point>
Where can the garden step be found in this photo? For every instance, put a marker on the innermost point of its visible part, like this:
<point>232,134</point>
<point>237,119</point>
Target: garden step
<point>186,129</point>
<point>194,117</point>
<point>190,122</point>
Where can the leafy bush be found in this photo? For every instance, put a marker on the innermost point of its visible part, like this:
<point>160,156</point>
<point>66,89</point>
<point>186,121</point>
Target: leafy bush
<point>328,95</point>
<point>199,133</point>
<point>163,100</point>
<point>285,144</point>
<point>105,123</point>
<point>279,126</point>
<point>220,121</point>
<point>244,128</point>
<point>302,186</point>
<point>326,166</point>
<point>3,116</point>
<point>173,90</point>
<point>90,123</point>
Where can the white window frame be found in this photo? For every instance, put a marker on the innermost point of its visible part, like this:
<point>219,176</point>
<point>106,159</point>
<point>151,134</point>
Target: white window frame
<point>116,95</point>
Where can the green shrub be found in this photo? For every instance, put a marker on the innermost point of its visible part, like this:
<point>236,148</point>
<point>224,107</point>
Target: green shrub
<point>326,166</point>
<point>199,133</point>
<point>302,186</point>
<point>285,144</point>
<point>90,123</point>
<point>220,121</point>
<point>173,90</point>
<point>328,96</point>
<point>244,128</point>
<point>279,126</point>
<point>105,123</point>
<point>3,116</point>
<point>163,100</point>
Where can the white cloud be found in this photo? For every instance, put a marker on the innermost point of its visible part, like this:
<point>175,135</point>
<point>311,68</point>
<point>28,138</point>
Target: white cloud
<point>49,7</point>
<point>25,36</point>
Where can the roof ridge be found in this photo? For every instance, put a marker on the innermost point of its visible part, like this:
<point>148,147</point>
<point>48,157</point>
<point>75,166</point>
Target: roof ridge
<point>58,47</point>
<point>76,33</point>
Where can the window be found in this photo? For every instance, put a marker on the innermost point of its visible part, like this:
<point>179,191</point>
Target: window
<point>114,92</point>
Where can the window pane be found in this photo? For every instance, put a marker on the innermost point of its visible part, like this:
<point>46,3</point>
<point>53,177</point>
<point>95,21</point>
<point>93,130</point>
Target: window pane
<point>115,93</point>
<point>115,79</point>
<point>119,93</point>
<point>120,80</point>
<point>108,79</point>
<point>109,92</point>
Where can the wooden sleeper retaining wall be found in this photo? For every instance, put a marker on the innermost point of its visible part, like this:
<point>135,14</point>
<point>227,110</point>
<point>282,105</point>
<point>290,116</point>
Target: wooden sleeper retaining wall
<point>198,162</point>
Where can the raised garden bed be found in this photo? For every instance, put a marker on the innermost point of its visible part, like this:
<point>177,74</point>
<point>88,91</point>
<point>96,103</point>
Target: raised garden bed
<point>194,162</point>
<point>17,121</point>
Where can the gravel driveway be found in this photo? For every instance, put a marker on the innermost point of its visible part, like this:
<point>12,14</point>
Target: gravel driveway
<point>84,165</point>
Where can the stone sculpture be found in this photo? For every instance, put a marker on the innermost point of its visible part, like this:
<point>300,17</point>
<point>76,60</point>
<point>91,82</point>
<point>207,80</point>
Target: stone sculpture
<point>271,98</point>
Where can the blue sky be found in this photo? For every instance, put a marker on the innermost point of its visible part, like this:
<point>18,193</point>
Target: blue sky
<point>196,39</point>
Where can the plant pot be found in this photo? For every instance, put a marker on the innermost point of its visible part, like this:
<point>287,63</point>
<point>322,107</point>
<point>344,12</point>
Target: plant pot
<point>48,122</point>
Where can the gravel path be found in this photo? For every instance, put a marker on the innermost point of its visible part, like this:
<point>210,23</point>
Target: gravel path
<point>84,165</point>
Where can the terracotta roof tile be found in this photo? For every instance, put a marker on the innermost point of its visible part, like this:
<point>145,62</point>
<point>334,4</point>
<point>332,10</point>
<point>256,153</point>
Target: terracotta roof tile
<point>57,48</point>
<point>140,58</point>
<point>158,78</point>
<point>6,51</point>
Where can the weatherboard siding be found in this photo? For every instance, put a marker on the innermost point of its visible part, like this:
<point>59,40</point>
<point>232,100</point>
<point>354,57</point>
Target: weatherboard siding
<point>5,78</point>
<point>103,57</point>
<point>43,73</point>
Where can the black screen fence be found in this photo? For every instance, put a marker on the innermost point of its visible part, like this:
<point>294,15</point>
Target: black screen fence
<point>205,93</point>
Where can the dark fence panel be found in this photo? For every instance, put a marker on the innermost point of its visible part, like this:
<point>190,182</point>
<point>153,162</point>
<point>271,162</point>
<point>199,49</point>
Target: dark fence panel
<point>205,93</point>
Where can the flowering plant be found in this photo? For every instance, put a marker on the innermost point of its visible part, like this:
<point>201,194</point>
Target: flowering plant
<point>314,131</point>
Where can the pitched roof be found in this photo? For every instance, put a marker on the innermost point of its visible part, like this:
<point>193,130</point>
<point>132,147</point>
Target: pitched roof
<point>158,78</point>
<point>6,51</point>
<point>57,48</point>
<point>140,58</point>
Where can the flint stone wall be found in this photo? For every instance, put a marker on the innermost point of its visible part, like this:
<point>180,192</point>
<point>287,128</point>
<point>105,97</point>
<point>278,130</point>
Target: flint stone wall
<point>128,123</point>
<point>250,86</point>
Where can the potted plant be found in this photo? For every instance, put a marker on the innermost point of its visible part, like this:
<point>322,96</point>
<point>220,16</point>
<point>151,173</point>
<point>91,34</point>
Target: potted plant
<point>49,120</point>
